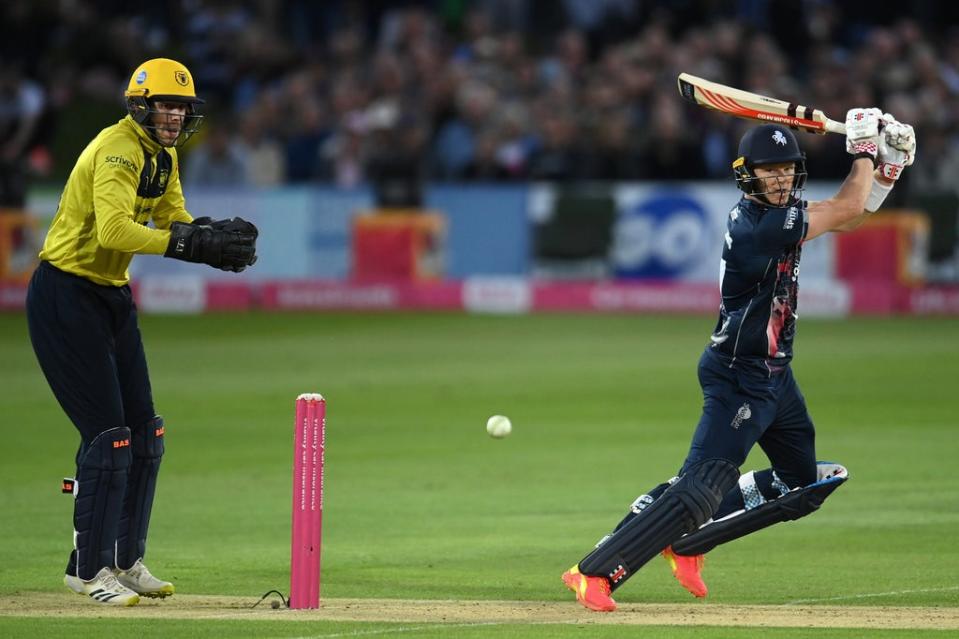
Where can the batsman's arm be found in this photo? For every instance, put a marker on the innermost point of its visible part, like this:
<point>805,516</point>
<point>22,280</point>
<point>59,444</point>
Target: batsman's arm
<point>847,205</point>
<point>881,184</point>
<point>862,192</point>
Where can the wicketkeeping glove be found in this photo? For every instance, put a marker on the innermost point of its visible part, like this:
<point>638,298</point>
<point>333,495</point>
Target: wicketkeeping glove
<point>228,250</point>
<point>237,224</point>
<point>862,133</point>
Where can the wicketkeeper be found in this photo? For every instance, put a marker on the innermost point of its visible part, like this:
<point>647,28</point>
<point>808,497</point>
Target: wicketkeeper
<point>83,321</point>
<point>750,395</point>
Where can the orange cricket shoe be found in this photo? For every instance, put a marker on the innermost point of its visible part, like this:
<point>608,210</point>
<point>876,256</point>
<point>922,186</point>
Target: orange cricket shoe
<point>686,569</point>
<point>592,592</point>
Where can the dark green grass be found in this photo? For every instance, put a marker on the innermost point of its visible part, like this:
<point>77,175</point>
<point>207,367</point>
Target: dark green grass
<point>421,503</point>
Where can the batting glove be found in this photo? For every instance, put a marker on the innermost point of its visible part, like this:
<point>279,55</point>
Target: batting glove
<point>899,135</point>
<point>862,133</point>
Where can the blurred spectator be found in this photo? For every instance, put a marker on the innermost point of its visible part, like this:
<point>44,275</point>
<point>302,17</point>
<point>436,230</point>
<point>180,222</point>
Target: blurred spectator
<point>304,141</point>
<point>494,89</point>
<point>669,151</point>
<point>217,162</point>
<point>455,144</point>
<point>21,106</point>
<point>939,170</point>
<point>485,165</point>
<point>559,156</point>
<point>614,156</point>
<point>262,155</point>
<point>213,28</point>
<point>342,156</point>
<point>396,158</point>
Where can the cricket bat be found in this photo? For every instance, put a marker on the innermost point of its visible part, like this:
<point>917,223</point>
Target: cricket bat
<point>752,106</point>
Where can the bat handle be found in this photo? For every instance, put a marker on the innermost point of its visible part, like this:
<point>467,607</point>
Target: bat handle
<point>832,126</point>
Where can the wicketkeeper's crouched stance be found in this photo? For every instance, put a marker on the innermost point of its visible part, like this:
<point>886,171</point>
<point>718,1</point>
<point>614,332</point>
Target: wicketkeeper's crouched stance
<point>84,329</point>
<point>750,395</point>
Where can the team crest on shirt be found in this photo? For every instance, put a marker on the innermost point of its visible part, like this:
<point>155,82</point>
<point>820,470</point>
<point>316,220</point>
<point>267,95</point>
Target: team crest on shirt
<point>162,179</point>
<point>779,138</point>
<point>744,413</point>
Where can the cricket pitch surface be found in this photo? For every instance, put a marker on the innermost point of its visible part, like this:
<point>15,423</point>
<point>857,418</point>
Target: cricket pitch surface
<point>465,613</point>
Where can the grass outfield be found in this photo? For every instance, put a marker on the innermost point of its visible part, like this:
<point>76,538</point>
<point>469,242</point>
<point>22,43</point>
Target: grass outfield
<point>421,504</point>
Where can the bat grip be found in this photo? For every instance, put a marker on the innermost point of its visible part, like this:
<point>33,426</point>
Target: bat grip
<point>832,126</point>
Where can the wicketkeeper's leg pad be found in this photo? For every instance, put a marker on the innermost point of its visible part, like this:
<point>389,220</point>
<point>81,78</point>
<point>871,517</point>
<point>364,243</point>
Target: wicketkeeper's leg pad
<point>682,508</point>
<point>794,504</point>
<point>135,521</point>
<point>101,485</point>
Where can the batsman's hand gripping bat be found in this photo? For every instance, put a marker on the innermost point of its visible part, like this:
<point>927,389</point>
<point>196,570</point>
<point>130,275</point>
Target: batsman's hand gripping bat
<point>752,106</point>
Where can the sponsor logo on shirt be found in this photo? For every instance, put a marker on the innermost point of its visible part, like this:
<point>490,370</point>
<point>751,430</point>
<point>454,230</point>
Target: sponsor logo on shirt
<point>119,160</point>
<point>791,215</point>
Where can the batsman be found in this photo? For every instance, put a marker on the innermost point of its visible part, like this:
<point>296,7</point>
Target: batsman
<point>84,328</point>
<point>749,393</point>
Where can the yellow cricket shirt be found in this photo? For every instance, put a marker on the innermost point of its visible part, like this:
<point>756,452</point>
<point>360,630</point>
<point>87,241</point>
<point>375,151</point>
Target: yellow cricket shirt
<point>122,180</point>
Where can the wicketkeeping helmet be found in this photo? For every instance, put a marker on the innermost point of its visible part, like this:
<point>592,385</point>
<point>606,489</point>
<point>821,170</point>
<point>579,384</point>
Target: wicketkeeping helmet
<point>768,144</point>
<point>162,80</point>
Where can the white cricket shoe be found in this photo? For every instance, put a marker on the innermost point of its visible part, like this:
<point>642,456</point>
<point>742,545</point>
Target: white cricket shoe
<point>139,580</point>
<point>104,588</point>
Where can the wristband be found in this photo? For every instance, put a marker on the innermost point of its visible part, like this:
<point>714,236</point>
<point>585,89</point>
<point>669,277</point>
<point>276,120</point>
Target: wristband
<point>877,195</point>
<point>866,149</point>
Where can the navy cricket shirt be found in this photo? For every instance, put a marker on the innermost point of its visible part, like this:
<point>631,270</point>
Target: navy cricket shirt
<point>759,281</point>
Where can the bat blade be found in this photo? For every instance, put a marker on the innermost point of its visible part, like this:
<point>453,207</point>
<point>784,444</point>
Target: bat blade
<point>753,106</point>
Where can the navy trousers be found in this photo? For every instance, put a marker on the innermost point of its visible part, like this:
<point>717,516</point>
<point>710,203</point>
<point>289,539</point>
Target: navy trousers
<point>88,344</point>
<point>747,405</point>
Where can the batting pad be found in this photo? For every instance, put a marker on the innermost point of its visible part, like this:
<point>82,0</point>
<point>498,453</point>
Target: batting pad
<point>792,505</point>
<point>683,507</point>
<point>141,486</point>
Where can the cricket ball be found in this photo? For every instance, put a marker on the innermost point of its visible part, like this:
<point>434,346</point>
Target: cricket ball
<point>499,426</point>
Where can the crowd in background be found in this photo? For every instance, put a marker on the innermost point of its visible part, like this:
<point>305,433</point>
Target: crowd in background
<point>495,90</point>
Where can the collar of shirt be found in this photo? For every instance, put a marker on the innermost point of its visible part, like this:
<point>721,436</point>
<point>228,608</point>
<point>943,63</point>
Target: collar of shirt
<point>759,208</point>
<point>148,142</point>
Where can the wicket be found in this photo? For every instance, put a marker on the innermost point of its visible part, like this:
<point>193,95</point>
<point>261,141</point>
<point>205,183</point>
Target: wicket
<point>309,444</point>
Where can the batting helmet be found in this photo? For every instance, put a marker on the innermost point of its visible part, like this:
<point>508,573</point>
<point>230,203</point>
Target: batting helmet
<point>763,145</point>
<point>162,80</point>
